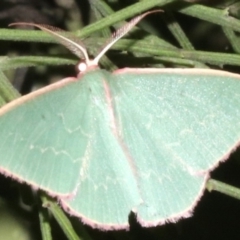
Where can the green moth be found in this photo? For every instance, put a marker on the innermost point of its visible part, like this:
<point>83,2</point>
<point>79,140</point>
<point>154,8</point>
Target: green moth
<point>136,140</point>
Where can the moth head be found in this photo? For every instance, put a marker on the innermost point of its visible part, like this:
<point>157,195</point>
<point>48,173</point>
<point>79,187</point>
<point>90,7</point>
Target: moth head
<point>83,66</point>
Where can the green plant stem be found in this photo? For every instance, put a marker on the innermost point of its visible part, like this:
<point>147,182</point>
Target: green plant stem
<point>63,221</point>
<point>232,38</point>
<point>7,91</point>
<point>177,31</point>
<point>214,185</point>
<point>60,218</point>
<point>215,16</point>
<point>123,14</point>
<point>29,61</point>
<point>44,224</point>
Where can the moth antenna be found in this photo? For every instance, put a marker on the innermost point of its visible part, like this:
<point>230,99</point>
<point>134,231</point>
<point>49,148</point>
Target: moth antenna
<point>120,33</point>
<point>70,41</point>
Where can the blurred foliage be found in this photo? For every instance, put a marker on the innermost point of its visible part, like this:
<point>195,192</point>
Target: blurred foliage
<point>200,34</point>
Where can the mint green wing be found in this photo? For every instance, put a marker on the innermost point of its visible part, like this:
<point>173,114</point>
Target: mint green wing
<point>176,125</point>
<point>137,140</point>
<point>60,139</point>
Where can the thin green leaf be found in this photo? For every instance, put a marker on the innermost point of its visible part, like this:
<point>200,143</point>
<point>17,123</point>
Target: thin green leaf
<point>232,38</point>
<point>216,16</point>
<point>205,57</point>
<point>177,31</point>
<point>26,35</point>
<point>214,185</point>
<point>30,61</point>
<point>7,91</point>
<point>105,10</point>
<point>63,221</point>
<point>2,101</point>
<point>121,15</point>
<point>180,62</point>
<point>44,224</point>
<point>101,9</point>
